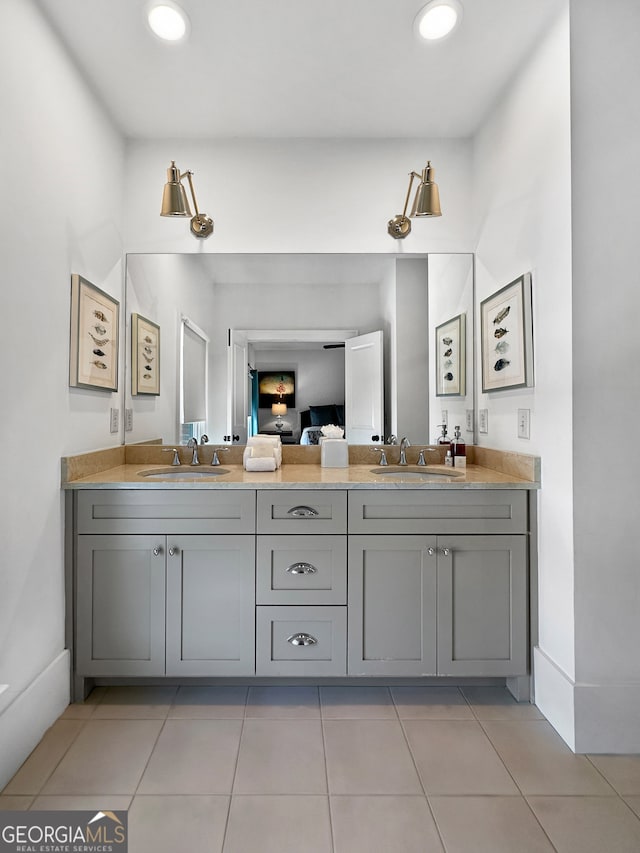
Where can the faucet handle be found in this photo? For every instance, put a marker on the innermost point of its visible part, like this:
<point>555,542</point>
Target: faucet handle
<point>383,454</point>
<point>421,455</point>
<point>204,439</point>
<point>216,450</point>
<point>174,450</point>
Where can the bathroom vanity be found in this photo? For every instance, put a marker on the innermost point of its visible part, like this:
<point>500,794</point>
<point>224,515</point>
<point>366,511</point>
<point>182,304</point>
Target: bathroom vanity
<point>320,574</point>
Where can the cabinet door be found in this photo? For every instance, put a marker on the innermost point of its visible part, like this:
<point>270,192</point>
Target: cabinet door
<point>392,605</point>
<point>482,605</point>
<point>210,605</point>
<point>120,605</point>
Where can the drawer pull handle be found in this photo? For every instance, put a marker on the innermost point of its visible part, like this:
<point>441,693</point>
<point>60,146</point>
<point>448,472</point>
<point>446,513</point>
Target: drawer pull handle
<point>303,512</point>
<point>446,551</point>
<point>174,550</point>
<point>157,550</point>
<point>302,569</point>
<point>302,640</point>
<point>431,551</point>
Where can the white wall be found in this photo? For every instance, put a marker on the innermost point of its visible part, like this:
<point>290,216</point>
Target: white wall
<point>63,163</point>
<point>297,195</point>
<point>522,216</point>
<point>605,81</point>
<point>450,294</point>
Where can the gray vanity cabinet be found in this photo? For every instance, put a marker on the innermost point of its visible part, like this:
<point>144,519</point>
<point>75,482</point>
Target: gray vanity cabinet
<point>120,594</point>
<point>210,605</point>
<point>392,605</point>
<point>165,583</point>
<point>451,601</point>
<point>482,605</point>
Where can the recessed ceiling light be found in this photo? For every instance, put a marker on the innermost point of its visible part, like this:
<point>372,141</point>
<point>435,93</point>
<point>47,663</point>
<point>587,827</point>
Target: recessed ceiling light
<point>168,21</point>
<point>438,19</point>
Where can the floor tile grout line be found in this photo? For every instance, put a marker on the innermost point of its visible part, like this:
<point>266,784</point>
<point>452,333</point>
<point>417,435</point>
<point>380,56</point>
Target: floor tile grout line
<point>326,772</point>
<point>424,790</point>
<point>146,764</point>
<point>235,772</point>
<point>58,762</point>
<point>604,776</point>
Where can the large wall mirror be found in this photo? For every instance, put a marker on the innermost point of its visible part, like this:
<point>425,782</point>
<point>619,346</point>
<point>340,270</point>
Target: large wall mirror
<point>228,322</point>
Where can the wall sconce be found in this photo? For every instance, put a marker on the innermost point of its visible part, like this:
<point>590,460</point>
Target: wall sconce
<point>426,203</point>
<point>176,203</point>
<point>279,409</point>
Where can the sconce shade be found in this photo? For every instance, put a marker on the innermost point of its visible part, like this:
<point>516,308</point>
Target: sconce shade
<point>174,197</point>
<point>427,200</point>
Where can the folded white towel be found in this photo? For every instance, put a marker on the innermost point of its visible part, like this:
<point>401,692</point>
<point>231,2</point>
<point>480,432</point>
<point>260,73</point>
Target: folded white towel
<point>262,449</point>
<point>273,441</point>
<point>260,463</point>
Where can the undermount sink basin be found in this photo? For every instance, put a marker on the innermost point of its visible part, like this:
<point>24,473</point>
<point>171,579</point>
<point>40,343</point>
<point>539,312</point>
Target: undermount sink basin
<point>179,473</point>
<point>414,472</point>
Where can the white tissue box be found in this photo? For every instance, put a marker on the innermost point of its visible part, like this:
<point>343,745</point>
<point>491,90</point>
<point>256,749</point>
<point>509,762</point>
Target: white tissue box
<point>334,453</point>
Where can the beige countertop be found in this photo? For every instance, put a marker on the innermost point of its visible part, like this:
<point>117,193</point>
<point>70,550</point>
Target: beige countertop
<point>296,476</point>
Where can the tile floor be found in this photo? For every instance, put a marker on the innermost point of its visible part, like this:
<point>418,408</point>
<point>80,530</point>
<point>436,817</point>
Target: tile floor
<point>344,769</point>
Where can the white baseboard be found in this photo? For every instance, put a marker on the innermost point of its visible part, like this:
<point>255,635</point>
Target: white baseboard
<point>31,713</point>
<point>554,692</point>
<point>596,718</point>
<point>608,717</point>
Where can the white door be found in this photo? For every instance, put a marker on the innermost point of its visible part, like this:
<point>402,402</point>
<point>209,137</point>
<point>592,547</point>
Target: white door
<point>364,395</point>
<point>237,387</point>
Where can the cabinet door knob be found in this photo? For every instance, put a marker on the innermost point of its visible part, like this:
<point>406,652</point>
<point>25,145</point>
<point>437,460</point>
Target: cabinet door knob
<point>302,569</point>
<point>446,551</point>
<point>173,550</point>
<point>431,551</point>
<point>303,512</point>
<point>302,640</point>
<point>157,550</point>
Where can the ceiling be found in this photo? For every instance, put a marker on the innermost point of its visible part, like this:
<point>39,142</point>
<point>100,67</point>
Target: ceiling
<point>298,68</point>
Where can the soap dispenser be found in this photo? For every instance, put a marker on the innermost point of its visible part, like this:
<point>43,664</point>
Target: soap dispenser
<point>442,438</point>
<point>458,449</point>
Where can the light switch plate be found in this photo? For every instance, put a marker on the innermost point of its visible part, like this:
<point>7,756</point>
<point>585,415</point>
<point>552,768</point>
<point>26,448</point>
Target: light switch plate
<point>469,420</point>
<point>524,423</point>
<point>483,421</point>
<point>114,420</point>
<point>128,420</point>
<point>444,417</point>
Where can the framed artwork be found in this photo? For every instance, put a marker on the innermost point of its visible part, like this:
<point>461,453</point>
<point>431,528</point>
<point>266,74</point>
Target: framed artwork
<point>507,337</point>
<point>145,356</point>
<point>93,346</point>
<point>280,384</point>
<point>451,368</point>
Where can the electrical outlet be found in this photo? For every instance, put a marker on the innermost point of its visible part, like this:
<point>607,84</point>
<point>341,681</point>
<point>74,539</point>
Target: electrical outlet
<point>128,420</point>
<point>524,423</point>
<point>444,417</point>
<point>114,420</point>
<point>483,420</point>
<point>469,420</point>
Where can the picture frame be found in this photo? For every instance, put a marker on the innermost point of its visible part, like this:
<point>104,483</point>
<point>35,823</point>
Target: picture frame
<point>94,337</point>
<point>506,329</point>
<point>280,384</point>
<point>451,366</point>
<point>145,356</point>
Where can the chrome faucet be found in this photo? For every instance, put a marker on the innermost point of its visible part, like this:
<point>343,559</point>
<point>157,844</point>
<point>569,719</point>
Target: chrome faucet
<point>216,450</point>
<point>193,443</point>
<point>383,455</point>
<point>404,443</point>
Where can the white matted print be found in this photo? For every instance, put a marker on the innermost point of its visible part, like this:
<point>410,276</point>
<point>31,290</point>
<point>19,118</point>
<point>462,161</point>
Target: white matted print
<point>451,367</point>
<point>507,337</point>
<point>145,356</point>
<point>93,350</point>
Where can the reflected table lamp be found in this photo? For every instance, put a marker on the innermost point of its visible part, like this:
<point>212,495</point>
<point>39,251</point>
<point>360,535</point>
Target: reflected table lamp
<point>279,409</point>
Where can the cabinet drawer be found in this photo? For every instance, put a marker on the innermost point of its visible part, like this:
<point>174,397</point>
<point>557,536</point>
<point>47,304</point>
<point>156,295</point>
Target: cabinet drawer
<point>305,511</point>
<point>174,511</point>
<point>438,511</point>
<point>301,641</point>
<point>301,570</point>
